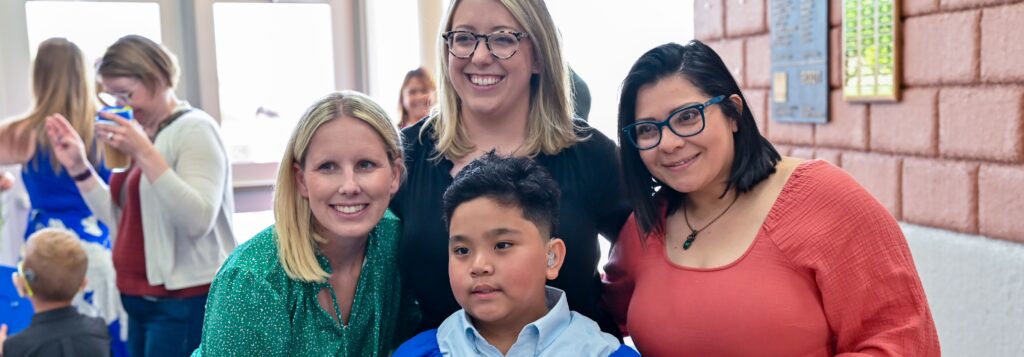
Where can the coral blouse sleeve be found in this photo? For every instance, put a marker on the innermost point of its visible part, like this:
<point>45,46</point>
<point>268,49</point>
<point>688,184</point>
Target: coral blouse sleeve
<point>872,296</point>
<point>619,273</point>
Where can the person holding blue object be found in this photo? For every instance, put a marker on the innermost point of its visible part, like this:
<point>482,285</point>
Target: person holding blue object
<point>61,84</point>
<point>502,213</point>
<point>172,207</point>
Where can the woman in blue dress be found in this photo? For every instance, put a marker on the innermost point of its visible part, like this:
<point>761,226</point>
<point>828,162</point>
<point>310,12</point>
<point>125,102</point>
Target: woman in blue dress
<point>61,84</point>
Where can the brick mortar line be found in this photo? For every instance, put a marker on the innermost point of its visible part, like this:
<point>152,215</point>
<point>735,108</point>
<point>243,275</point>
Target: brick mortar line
<point>976,171</point>
<point>1015,84</point>
<point>977,49</point>
<point>977,7</point>
<point>899,186</point>
<point>902,18</point>
<point>1020,131</point>
<point>906,155</point>
<point>867,130</point>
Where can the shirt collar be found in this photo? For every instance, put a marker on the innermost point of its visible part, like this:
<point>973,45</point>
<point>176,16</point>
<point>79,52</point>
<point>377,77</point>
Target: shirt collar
<point>546,329</point>
<point>182,105</point>
<point>557,319</point>
<point>55,315</point>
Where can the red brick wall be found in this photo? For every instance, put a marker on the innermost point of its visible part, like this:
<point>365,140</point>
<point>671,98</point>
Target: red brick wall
<point>950,154</point>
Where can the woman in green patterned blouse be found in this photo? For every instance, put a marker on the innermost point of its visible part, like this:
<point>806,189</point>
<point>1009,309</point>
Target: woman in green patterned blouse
<point>323,280</point>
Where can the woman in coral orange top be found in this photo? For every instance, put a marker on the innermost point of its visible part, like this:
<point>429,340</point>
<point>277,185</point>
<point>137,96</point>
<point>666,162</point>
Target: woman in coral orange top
<point>734,250</point>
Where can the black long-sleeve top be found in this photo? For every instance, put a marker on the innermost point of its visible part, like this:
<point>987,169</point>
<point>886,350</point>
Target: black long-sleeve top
<point>592,203</point>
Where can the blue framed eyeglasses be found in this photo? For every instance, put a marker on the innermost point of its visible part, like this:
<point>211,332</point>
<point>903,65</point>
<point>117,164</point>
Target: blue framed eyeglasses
<point>684,122</point>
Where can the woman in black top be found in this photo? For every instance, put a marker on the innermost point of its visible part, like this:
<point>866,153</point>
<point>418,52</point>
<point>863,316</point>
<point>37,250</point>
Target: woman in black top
<point>505,87</point>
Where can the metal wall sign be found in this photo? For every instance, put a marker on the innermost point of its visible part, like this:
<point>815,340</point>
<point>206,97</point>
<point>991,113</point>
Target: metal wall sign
<point>799,35</point>
<point>870,50</point>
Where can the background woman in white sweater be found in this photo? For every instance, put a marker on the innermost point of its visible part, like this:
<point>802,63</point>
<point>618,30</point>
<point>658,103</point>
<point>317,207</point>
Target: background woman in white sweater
<point>171,207</point>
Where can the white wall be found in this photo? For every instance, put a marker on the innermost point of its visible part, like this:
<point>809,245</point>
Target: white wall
<point>975,286</point>
<point>14,208</point>
<point>14,57</point>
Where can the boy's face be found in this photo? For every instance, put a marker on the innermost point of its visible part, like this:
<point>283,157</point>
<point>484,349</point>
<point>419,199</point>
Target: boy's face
<point>498,263</point>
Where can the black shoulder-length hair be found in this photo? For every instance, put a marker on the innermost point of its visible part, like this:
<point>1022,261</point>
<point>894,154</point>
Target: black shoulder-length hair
<point>755,158</point>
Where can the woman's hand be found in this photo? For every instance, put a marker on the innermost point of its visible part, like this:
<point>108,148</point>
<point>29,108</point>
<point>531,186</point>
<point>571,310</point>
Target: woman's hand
<point>68,147</point>
<point>126,136</point>
<point>3,337</point>
<point>6,181</point>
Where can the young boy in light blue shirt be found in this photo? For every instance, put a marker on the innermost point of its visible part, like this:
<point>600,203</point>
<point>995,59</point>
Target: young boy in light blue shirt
<point>500,214</point>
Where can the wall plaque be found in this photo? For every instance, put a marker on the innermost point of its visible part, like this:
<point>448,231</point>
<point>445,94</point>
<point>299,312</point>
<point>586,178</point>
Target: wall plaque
<point>799,35</point>
<point>871,50</point>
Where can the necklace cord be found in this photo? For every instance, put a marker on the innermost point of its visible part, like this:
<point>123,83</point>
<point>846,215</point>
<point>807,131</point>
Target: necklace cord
<point>693,232</point>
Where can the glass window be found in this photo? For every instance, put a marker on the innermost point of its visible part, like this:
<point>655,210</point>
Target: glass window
<point>393,48</point>
<point>273,62</point>
<point>77,21</point>
<point>602,56</point>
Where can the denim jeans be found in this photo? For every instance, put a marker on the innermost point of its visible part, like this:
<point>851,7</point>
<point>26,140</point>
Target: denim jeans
<point>160,327</point>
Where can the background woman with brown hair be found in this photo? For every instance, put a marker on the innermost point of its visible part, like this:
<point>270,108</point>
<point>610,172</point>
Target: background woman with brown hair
<point>416,97</point>
<point>172,206</point>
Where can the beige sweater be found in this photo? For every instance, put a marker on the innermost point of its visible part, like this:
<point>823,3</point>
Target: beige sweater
<point>187,211</point>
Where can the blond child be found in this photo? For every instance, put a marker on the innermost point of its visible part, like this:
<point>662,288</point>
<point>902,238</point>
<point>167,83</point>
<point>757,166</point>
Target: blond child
<point>50,275</point>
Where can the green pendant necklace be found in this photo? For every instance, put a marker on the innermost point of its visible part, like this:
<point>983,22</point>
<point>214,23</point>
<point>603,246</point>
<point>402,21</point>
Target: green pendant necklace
<point>693,232</point>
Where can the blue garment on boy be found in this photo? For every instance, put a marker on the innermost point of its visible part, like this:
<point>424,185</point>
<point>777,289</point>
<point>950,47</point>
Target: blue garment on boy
<point>558,333</point>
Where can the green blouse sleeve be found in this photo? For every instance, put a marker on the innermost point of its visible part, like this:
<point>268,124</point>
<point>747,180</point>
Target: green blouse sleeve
<point>245,316</point>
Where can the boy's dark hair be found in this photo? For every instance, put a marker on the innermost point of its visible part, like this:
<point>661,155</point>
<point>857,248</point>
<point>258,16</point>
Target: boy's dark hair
<point>57,262</point>
<point>754,158</point>
<point>511,181</point>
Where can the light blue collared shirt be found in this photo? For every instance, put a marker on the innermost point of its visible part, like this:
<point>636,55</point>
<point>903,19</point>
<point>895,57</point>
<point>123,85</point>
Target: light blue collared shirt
<point>558,333</point>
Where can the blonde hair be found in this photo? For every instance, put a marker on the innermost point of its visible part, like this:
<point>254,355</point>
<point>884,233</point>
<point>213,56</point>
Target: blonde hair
<point>296,238</point>
<point>550,127</point>
<point>58,262</point>
<point>139,57</point>
<point>423,76</point>
<point>60,84</point>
